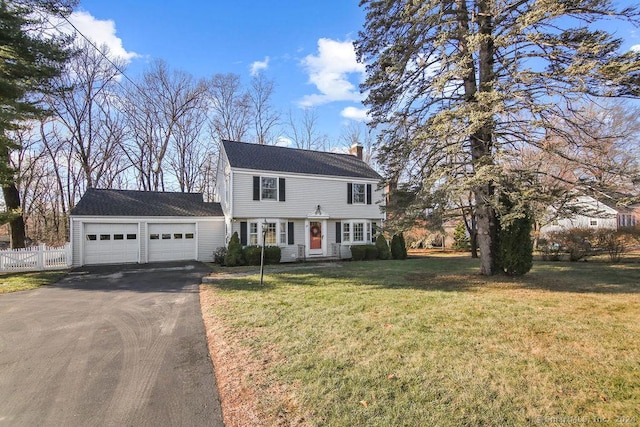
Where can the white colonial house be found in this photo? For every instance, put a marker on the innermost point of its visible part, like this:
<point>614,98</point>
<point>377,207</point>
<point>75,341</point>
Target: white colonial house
<point>588,212</point>
<point>310,203</point>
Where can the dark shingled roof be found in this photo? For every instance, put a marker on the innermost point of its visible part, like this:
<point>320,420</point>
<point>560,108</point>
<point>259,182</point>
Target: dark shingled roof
<point>101,202</point>
<point>281,159</point>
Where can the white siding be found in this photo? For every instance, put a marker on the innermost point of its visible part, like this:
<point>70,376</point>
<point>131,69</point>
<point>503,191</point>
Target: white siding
<point>603,217</point>
<point>209,233</point>
<point>76,243</point>
<point>210,237</point>
<point>222,193</point>
<point>303,195</point>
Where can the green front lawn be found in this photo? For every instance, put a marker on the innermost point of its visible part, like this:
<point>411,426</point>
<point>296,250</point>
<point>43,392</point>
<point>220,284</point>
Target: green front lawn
<point>429,342</point>
<point>12,282</point>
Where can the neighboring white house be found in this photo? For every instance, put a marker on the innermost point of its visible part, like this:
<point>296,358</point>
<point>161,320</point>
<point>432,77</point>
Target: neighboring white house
<point>310,203</point>
<point>123,226</point>
<point>589,213</point>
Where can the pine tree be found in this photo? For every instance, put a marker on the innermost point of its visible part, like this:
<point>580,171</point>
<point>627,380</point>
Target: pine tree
<point>458,87</point>
<point>28,64</point>
<point>461,241</point>
<point>516,245</point>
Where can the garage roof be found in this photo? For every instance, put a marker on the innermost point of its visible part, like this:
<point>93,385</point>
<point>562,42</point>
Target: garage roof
<point>101,202</point>
<point>282,159</point>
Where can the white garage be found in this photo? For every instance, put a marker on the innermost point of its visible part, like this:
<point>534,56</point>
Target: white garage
<point>107,243</point>
<point>124,226</point>
<point>172,242</point>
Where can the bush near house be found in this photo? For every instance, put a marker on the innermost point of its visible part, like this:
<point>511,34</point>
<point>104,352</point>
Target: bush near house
<point>383,247</point>
<point>252,254</point>
<point>398,247</point>
<point>358,252</point>
<point>371,252</point>
<point>219,255</point>
<point>234,252</point>
<point>272,255</point>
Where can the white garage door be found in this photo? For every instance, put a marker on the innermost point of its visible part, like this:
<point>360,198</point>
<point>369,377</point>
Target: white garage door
<point>172,242</point>
<point>110,243</point>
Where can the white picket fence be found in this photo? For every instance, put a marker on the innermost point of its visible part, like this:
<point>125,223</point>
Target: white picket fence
<point>36,258</point>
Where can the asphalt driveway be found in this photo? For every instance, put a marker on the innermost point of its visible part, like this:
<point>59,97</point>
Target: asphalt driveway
<point>108,346</point>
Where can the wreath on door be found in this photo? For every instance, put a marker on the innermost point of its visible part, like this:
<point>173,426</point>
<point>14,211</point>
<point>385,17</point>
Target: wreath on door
<point>315,231</point>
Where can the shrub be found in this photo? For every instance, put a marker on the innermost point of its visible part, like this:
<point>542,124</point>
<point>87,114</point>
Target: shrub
<point>272,254</point>
<point>461,241</point>
<point>358,252</point>
<point>575,241</point>
<point>234,252</point>
<point>550,250</point>
<point>252,254</point>
<point>371,252</point>
<point>219,255</point>
<point>516,246</point>
<point>398,248</point>
<point>613,242</point>
<point>383,247</point>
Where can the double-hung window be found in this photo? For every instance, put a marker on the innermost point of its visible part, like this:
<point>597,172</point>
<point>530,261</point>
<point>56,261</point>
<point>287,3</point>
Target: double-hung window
<point>269,188</point>
<point>283,233</point>
<point>346,232</point>
<point>253,233</point>
<point>358,232</point>
<point>269,233</point>
<point>359,193</point>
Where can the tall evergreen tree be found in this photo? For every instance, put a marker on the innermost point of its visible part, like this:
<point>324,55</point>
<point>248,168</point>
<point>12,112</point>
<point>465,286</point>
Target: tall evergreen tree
<point>30,58</point>
<point>458,86</point>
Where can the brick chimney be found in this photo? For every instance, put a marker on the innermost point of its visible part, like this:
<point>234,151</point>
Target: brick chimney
<point>356,150</point>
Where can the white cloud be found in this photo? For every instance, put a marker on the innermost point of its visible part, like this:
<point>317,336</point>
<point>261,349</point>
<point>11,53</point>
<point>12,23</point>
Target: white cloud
<point>100,32</point>
<point>258,66</point>
<point>283,141</point>
<point>357,114</point>
<point>330,70</point>
<point>635,48</point>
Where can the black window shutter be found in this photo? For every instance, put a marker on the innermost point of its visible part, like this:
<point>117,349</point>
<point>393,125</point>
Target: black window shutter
<point>368,194</point>
<point>290,239</point>
<point>338,232</point>
<point>243,233</point>
<point>281,189</point>
<point>256,188</point>
<point>349,193</point>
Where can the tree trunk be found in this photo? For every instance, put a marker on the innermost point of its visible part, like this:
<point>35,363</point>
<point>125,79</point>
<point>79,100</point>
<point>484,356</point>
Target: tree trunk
<point>488,232</point>
<point>16,225</point>
<point>473,241</point>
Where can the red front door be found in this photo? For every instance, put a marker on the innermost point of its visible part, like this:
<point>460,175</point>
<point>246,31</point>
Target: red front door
<point>315,235</point>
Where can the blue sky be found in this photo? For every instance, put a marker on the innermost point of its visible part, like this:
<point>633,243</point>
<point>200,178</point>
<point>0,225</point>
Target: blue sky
<point>304,46</point>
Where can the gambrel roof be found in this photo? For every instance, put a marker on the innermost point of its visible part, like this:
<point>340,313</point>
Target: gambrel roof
<point>101,202</point>
<point>281,159</point>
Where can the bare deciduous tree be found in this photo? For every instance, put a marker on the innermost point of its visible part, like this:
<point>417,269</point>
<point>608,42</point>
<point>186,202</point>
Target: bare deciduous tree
<point>156,108</point>
<point>265,118</point>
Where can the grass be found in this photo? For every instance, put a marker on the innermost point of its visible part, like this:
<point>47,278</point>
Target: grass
<point>12,282</point>
<point>429,342</point>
